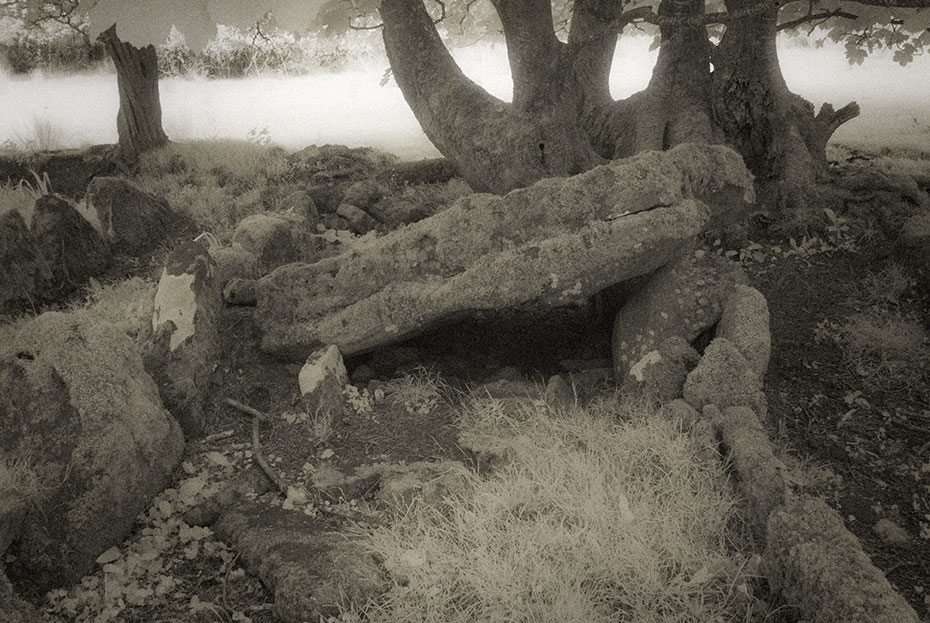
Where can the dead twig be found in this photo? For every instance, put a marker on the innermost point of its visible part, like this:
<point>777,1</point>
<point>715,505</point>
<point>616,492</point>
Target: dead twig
<point>257,416</point>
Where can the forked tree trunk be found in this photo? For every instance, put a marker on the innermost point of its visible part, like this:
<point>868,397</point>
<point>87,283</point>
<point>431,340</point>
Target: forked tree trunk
<point>138,122</point>
<point>776,131</point>
<point>563,119</point>
<point>494,145</point>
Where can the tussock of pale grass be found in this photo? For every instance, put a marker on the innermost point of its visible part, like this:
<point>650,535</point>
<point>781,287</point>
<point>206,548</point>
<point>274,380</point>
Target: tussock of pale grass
<point>419,391</point>
<point>886,286</point>
<point>218,183</point>
<point>17,479</point>
<point>885,347</point>
<point>13,197</point>
<point>127,304</point>
<point>603,514</point>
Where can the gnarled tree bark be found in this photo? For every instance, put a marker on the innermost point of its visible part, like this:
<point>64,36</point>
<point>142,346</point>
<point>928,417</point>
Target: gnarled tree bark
<point>563,119</point>
<point>138,122</point>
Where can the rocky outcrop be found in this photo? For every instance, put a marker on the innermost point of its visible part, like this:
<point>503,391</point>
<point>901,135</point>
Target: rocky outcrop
<point>132,220</point>
<point>23,272</point>
<point>819,567</point>
<point>185,333</point>
<point>77,406</point>
<point>552,244</point>
<point>313,570</point>
<point>74,250</point>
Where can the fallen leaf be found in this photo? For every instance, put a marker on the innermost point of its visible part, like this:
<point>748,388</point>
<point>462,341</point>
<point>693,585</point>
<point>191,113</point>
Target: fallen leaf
<point>111,555</point>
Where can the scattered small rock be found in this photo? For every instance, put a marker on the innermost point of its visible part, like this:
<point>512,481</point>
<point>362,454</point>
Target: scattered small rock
<point>891,532</point>
<point>268,237</point>
<point>322,381</point>
<point>234,262</point>
<point>359,221</point>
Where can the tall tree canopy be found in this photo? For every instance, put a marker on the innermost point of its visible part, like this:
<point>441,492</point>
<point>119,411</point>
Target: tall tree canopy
<point>717,77</point>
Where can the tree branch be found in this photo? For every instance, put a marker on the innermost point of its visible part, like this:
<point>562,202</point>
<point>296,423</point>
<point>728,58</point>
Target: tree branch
<point>815,17</point>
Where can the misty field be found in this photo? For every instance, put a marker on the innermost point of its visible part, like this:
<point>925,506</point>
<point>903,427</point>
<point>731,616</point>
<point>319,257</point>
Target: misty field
<point>352,108</point>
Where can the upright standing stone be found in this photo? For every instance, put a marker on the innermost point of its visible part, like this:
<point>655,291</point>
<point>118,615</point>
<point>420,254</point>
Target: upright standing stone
<point>186,341</point>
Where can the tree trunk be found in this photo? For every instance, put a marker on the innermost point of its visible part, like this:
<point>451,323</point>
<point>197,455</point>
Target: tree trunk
<point>563,119</point>
<point>776,131</point>
<point>139,119</point>
<point>495,146</point>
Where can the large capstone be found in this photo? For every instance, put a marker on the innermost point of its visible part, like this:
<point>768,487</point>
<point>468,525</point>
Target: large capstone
<point>553,244</point>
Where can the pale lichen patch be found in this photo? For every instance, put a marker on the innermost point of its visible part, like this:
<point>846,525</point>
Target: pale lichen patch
<point>639,368</point>
<point>175,301</point>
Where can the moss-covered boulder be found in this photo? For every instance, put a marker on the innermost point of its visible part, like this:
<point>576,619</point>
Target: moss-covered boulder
<point>314,571</point>
<point>683,299</point>
<point>553,244</point>
<point>73,248</point>
<point>77,407</point>
<point>133,221</point>
<point>23,272</point>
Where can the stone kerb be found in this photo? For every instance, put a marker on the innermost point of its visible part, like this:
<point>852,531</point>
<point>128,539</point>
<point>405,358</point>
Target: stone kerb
<point>810,558</point>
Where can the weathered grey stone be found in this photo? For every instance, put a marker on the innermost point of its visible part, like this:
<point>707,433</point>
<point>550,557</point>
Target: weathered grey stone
<point>661,373</point>
<point>322,380</point>
<point>745,322</point>
<point>268,237</point>
<point>77,406</point>
<point>364,193</point>
<point>891,532</point>
<point>300,202</point>
<point>234,263</point>
<point>819,567</point>
<point>683,299</point>
<point>74,250</point>
<point>334,221</point>
<point>185,333</point>
<point>132,220</point>
<point>552,244</point>
<point>240,292</point>
<point>359,221</point>
<point>760,475</point>
<point>313,571</point>
<point>724,378</point>
<point>23,272</point>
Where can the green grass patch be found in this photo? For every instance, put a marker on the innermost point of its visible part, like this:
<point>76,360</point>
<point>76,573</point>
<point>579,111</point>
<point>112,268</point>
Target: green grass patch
<point>607,513</point>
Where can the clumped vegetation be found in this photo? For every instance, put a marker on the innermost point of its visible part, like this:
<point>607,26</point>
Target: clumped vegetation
<point>601,513</point>
<point>218,183</point>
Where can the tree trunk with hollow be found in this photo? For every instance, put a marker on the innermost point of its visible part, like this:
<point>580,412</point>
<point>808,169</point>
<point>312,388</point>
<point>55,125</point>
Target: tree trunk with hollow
<point>138,122</point>
<point>562,119</point>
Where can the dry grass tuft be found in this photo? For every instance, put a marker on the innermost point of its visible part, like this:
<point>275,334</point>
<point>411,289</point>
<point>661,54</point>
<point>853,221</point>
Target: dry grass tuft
<point>885,347</point>
<point>603,514</point>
